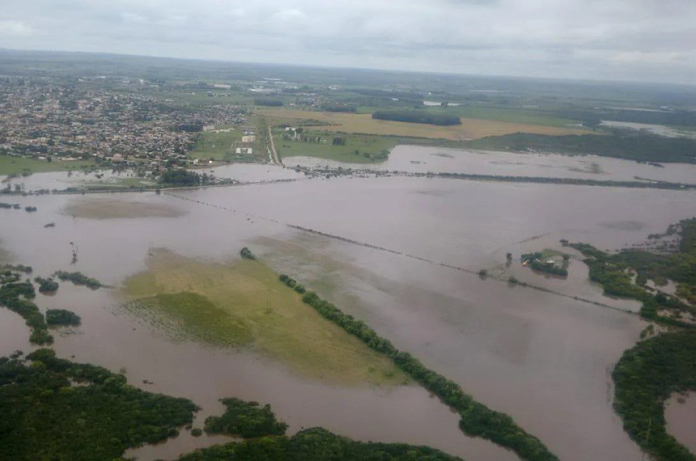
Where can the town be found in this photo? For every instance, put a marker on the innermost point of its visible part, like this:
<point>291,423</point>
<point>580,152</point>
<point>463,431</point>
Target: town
<point>48,120</point>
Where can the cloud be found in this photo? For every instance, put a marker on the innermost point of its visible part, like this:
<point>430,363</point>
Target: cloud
<point>616,39</point>
<point>291,15</point>
<point>16,28</point>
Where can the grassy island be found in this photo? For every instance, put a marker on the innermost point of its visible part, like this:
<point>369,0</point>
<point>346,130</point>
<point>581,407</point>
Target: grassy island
<point>547,261</point>
<point>240,304</point>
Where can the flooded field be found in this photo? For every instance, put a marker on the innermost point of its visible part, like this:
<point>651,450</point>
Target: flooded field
<point>543,358</point>
<point>418,159</point>
<point>661,130</point>
<point>61,180</point>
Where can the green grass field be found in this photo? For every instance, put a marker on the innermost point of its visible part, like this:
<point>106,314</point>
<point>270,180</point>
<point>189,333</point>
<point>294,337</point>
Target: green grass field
<point>219,145</point>
<point>216,146</point>
<point>358,148</point>
<point>18,165</point>
<point>242,304</point>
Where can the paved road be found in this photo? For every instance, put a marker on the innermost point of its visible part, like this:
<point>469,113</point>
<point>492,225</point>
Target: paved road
<point>274,154</point>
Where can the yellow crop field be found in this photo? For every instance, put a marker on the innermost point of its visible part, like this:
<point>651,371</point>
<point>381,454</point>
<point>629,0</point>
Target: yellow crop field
<point>365,124</point>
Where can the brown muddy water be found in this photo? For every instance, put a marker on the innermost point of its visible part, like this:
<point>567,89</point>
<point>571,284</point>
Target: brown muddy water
<point>680,414</point>
<point>419,159</point>
<point>61,180</point>
<point>542,358</point>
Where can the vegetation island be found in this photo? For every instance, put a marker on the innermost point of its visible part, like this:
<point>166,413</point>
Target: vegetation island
<point>647,375</point>
<point>547,261</point>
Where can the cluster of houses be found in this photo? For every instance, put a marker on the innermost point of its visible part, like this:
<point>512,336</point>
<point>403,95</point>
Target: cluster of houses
<point>248,138</point>
<point>52,121</point>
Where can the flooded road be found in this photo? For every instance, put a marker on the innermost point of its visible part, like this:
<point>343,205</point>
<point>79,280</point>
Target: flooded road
<point>543,359</point>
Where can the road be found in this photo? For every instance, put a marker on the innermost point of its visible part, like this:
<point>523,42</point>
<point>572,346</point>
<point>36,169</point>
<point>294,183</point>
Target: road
<point>274,154</point>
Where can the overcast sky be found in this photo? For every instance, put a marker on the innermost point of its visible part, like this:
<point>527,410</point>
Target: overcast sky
<point>649,40</point>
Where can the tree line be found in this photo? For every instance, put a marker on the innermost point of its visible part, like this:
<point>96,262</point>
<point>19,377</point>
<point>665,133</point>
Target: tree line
<point>621,144</point>
<point>476,419</point>
<point>184,178</point>
<point>269,102</point>
<point>417,116</point>
<point>316,444</point>
<point>78,278</point>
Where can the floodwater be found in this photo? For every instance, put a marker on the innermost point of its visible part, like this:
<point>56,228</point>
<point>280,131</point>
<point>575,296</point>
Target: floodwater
<point>660,130</point>
<point>542,358</point>
<point>110,250</point>
<point>60,180</point>
<point>417,159</point>
<point>680,414</point>
<point>15,336</point>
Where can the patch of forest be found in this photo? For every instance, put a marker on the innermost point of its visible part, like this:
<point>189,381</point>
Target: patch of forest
<point>245,419</point>
<point>417,116</point>
<point>59,410</point>
<point>645,377</point>
<point>627,145</point>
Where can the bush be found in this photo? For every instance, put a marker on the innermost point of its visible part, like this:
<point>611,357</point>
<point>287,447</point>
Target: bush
<point>246,419</point>
<point>62,317</point>
<point>46,285</point>
<point>247,254</point>
<point>44,416</point>
<point>78,278</point>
